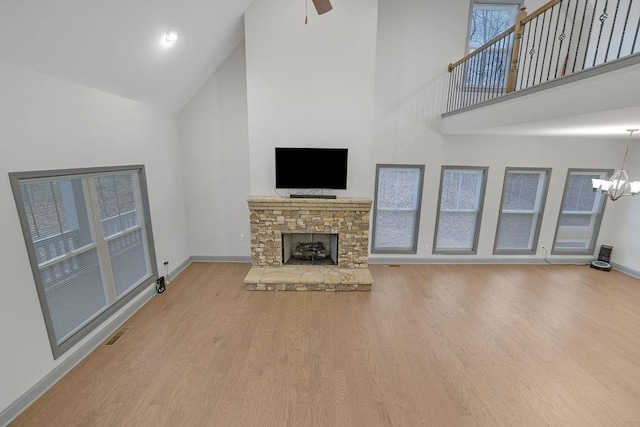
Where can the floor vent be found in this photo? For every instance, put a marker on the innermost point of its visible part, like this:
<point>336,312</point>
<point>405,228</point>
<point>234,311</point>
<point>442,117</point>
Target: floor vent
<point>116,336</point>
<point>394,265</point>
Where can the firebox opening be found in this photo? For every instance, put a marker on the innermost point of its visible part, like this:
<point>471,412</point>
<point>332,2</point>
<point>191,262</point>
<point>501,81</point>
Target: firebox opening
<point>308,248</point>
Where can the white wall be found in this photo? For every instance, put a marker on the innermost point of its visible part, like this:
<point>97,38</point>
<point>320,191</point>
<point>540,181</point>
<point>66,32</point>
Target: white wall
<point>288,85</point>
<point>215,162</point>
<point>623,218</point>
<point>498,152</point>
<point>310,85</point>
<point>416,40</point>
<point>45,124</point>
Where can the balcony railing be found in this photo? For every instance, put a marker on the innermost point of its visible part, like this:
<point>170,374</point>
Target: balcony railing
<point>561,38</point>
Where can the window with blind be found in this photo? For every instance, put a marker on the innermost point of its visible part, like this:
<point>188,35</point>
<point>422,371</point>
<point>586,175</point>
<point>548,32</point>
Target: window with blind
<point>88,236</point>
<point>523,198</point>
<point>396,213</point>
<point>580,214</point>
<point>459,209</point>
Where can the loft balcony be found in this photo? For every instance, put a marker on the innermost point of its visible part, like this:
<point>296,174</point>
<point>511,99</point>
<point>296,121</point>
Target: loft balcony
<point>585,50</point>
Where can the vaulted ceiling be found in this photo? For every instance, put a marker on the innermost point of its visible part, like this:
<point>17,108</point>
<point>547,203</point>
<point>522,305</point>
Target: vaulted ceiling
<point>117,45</point>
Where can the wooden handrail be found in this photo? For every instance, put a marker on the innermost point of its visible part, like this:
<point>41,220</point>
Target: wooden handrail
<point>519,32</point>
<point>522,20</point>
<point>542,9</point>
<point>504,65</point>
<point>469,55</point>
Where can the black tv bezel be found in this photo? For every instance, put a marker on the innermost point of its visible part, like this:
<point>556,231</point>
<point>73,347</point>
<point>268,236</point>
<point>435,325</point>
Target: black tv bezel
<point>304,186</point>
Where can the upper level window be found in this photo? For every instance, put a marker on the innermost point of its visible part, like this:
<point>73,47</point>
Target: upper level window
<point>523,197</point>
<point>460,209</point>
<point>580,214</point>
<point>486,21</point>
<point>88,236</point>
<point>397,208</point>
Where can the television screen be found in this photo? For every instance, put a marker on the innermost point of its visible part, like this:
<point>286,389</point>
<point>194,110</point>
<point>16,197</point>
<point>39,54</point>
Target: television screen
<point>311,168</point>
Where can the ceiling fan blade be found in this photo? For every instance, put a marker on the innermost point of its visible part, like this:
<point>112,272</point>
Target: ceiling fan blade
<point>322,6</point>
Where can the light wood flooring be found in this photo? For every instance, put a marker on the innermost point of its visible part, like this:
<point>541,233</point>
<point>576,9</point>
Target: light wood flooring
<point>441,345</point>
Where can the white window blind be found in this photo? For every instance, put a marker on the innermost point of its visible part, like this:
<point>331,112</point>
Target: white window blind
<point>122,229</point>
<point>522,206</point>
<point>397,208</point>
<point>88,237</point>
<point>580,214</point>
<point>459,209</point>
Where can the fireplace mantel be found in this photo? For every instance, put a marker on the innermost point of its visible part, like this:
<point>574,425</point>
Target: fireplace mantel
<point>347,217</point>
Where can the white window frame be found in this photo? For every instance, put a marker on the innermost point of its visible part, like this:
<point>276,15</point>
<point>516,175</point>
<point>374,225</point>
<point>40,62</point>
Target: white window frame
<point>596,216</point>
<point>493,3</point>
<point>469,48</point>
<point>479,205</point>
<point>537,211</point>
<point>418,202</point>
<point>100,243</point>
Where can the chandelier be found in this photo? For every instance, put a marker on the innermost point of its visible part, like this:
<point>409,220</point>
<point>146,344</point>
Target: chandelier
<point>618,185</point>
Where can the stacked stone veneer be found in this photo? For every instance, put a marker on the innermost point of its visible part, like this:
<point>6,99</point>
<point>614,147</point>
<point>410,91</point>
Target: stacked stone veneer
<point>347,217</point>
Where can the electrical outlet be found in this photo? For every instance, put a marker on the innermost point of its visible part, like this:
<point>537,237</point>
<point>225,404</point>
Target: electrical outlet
<point>166,272</point>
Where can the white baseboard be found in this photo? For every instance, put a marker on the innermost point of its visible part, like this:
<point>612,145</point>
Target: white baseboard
<point>495,260</point>
<point>207,258</point>
<point>626,270</point>
<point>179,269</point>
<point>500,260</point>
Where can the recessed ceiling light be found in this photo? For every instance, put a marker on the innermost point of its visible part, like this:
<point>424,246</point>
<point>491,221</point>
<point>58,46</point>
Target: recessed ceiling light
<point>171,36</point>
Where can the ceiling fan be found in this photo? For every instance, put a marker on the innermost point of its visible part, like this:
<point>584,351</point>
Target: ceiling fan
<point>322,6</point>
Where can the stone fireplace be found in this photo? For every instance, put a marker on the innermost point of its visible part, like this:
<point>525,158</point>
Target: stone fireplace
<point>279,225</point>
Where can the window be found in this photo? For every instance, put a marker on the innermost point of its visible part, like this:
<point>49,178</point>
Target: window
<point>397,208</point>
<point>486,21</point>
<point>580,214</point>
<point>88,236</point>
<point>521,209</point>
<point>490,19</point>
<point>459,209</point>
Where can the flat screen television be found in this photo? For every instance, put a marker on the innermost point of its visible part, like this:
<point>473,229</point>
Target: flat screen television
<point>312,168</point>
